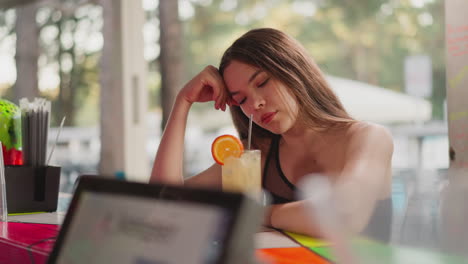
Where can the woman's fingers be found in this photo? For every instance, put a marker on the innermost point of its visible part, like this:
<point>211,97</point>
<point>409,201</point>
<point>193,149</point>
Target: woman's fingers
<point>208,85</point>
<point>220,96</point>
<point>222,99</point>
<point>226,100</point>
<point>232,102</point>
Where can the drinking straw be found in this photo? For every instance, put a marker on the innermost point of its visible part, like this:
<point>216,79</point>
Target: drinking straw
<point>25,137</point>
<point>45,131</point>
<point>35,126</point>
<point>250,132</point>
<point>47,109</point>
<point>3,198</point>
<point>41,134</point>
<point>56,139</point>
<point>34,134</point>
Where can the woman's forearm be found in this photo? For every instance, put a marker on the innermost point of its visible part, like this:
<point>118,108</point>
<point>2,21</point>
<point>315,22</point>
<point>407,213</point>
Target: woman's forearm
<point>168,164</point>
<point>292,217</point>
<point>295,217</point>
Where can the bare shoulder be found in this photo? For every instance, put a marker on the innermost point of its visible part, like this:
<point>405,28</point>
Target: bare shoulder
<point>365,134</point>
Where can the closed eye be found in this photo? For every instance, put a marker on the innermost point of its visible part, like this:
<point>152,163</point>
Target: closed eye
<point>264,82</point>
<point>259,86</point>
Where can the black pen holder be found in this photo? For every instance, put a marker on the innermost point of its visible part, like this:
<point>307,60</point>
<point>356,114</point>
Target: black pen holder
<point>32,189</point>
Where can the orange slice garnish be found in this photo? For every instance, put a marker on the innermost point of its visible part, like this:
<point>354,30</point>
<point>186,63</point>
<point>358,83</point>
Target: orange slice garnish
<point>225,146</point>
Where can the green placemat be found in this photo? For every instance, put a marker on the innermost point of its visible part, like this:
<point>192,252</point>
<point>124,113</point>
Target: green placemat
<point>325,252</point>
<point>370,252</point>
<point>374,252</point>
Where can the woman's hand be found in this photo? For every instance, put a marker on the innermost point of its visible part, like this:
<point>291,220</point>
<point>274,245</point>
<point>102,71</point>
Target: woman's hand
<point>207,86</point>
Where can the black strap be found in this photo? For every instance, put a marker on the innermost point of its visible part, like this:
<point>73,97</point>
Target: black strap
<point>280,171</point>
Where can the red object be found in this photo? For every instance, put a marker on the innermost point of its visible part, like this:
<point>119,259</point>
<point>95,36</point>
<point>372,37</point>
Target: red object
<point>12,156</point>
<point>294,255</point>
<point>26,243</point>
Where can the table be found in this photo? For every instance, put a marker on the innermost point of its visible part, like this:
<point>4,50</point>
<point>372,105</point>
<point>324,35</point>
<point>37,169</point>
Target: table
<point>280,247</point>
<point>32,242</point>
<point>26,242</point>
<point>310,250</point>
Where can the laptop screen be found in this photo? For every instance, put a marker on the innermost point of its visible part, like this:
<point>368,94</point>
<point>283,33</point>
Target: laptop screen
<point>113,221</point>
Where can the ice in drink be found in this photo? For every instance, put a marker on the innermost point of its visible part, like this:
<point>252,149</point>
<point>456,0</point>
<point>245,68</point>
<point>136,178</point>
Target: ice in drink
<point>243,174</point>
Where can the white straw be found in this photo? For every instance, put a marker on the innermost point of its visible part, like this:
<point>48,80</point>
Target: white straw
<point>3,198</point>
<point>56,140</point>
<point>250,131</point>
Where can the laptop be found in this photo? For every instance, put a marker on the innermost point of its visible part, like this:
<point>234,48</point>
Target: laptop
<point>115,221</point>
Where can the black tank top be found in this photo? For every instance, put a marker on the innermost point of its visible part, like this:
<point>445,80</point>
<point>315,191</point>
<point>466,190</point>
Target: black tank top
<point>281,190</point>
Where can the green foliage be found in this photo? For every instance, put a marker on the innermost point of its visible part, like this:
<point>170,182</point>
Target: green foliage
<point>78,66</point>
<point>365,40</point>
<point>10,124</point>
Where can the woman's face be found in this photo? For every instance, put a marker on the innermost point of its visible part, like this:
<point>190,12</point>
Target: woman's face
<point>262,96</point>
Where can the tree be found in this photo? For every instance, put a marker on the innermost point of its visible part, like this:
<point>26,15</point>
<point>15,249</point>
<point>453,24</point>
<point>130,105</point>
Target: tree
<point>27,52</point>
<point>77,66</point>
<point>365,40</point>
<point>170,56</point>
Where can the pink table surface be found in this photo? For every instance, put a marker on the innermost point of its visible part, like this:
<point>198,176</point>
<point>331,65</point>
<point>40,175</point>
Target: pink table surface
<point>26,243</point>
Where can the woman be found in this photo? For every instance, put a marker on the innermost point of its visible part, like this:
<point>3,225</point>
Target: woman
<point>299,125</point>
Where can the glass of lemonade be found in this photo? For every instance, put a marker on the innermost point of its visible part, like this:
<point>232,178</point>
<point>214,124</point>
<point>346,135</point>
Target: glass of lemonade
<point>243,174</point>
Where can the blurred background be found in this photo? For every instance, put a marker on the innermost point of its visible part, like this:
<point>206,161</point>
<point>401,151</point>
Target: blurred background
<point>384,58</point>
